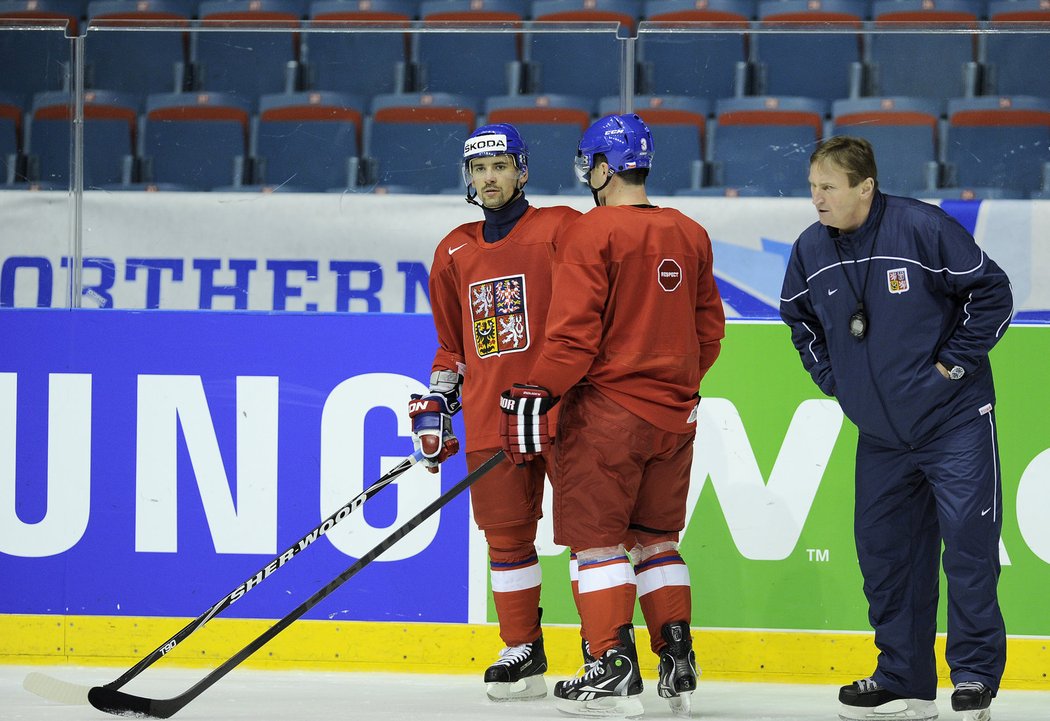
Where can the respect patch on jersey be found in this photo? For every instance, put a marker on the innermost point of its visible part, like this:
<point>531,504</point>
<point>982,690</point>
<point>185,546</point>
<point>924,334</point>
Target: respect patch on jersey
<point>897,279</point>
<point>498,309</point>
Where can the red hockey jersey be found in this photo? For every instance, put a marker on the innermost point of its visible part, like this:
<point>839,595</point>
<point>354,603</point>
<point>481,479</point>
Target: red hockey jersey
<point>490,303</point>
<point>635,312</point>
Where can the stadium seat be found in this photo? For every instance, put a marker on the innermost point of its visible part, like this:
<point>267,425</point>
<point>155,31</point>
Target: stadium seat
<point>702,64</point>
<point>37,60</point>
<point>197,140</point>
<point>308,140</point>
<point>903,132</point>
<point>765,142</point>
<point>825,64</point>
<point>351,46</point>
<point>10,136</point>
<point>922,63</point>
<point>677,124</point>
<point>138,62</point>
<point>1008,56</point>
<point>109,137</point>
<point>998,142</point>
<point>247,64</point>
<point>415,140</point>
<point>551,126</point>
<point>586,64</point>
<point>474,63</point>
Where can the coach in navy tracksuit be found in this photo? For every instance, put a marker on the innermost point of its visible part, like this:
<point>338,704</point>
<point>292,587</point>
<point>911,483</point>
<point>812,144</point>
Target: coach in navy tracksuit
<point>893,308</point>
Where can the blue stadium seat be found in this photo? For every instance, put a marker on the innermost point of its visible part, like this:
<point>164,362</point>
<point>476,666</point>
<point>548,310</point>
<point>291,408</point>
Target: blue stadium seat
<point>197,140</point>
<point>109,137</point>
<point>471,63</point>
<point>415,140</point>
<point>552,126</point>
<point>998,142</point>
<point>247,64</point>
<point>677,123</point>
<point>1008,57</point>
<point>922,63</point>
<point>308,140</point>
<point>10,136</point>
<point>136,61</point>
<point>903,132</point>
<point>970,193</point>
<point>706,65</point>
<point>823,65</point>
<point>765,142</point>
<point>586,64</point>
<point>37,60</point>
<point>352,46</point>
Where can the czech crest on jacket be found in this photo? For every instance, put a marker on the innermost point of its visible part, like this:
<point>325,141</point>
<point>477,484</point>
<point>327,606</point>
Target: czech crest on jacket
<point>898,280</point>
<point>498,309</point>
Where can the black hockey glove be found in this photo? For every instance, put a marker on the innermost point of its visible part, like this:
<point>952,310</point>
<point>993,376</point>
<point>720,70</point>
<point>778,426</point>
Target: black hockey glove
<point>523,427</point>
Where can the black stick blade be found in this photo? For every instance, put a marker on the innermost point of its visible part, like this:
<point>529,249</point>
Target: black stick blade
<point>119,703</point>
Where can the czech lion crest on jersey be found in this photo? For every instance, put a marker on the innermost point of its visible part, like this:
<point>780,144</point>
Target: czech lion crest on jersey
<point>897,279</point>
<point>497,307</point>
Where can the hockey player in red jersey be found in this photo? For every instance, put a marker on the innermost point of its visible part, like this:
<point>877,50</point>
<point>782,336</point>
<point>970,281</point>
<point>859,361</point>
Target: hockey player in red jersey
<point>490,288</point>
<point>635,323</point>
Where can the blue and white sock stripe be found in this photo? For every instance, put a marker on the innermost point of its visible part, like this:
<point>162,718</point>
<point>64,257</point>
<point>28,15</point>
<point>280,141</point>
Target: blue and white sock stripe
<point>604,574</point>
<point>516,577</point>
<point>661,572</point>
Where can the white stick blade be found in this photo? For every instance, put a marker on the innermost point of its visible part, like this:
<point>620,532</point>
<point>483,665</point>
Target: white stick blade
<point>56,690</point>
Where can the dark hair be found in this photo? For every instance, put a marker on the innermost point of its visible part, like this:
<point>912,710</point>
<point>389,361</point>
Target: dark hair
<point>853,155</point>
<point>634,176</point>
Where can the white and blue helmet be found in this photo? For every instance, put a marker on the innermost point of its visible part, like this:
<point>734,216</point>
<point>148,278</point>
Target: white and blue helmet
<point>625,140</point>
<point>495,139</point>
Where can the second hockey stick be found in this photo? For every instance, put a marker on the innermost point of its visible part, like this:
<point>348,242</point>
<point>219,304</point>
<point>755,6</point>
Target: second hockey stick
<point>55,689</point>
<point>118,703</point>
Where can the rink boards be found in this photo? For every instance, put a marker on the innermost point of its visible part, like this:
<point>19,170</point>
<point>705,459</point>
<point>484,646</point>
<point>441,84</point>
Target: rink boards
<point>150,462</point>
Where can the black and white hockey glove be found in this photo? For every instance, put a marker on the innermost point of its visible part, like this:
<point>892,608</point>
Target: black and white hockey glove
<point>523,427</point>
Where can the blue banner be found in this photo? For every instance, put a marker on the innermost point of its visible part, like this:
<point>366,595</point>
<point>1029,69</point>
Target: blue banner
<point>162,458</point>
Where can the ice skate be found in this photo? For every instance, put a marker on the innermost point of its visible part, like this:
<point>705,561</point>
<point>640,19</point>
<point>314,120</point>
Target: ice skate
<point>518,674</point>
<point>865,700</point>
<point>678,672</point>
<point>974,699</point>
<point>608,687</point>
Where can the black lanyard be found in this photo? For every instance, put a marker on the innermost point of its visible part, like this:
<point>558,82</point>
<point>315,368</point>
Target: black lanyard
<point>858,322</point>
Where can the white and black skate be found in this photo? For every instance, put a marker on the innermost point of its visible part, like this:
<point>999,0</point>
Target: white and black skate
<point>609,686</point>
<point>518,674</point>
<point>974,699</point>
<point>866,700</point>
<point>678,672</point>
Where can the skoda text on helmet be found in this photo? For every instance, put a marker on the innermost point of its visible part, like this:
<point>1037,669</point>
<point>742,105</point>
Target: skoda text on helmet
<point>492,140</point>
<point>625,141</point>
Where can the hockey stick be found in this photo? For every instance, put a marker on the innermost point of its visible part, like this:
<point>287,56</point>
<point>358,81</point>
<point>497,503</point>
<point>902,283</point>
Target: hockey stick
<point>65,692</point>
<point>118,703</point>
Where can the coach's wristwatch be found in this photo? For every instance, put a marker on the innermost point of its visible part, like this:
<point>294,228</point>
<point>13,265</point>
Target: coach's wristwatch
<point>955,372</point>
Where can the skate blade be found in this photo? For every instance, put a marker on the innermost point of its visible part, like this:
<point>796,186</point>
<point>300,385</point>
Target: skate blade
<point>606,707</point>
<point>984,714</point>
<point>905,709</point>
<point>681,705</point>
<point>529,688</point>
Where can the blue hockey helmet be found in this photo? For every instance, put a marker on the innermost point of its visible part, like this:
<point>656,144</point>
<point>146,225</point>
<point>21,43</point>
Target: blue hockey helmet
<point>625,141</point>
<point>495,139</point>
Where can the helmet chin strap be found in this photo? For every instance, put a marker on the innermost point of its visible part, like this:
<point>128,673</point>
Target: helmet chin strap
<point>595,191</point>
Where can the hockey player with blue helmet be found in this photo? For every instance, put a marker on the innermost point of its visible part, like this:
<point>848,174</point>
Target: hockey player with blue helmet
<point>490,289</point>
<point>638,323</point>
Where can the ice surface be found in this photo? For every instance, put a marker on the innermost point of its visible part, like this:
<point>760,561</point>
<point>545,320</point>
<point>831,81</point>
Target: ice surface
<point>345,696</point>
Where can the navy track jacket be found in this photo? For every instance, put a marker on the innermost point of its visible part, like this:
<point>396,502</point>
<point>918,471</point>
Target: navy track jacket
<point>930,293</point>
